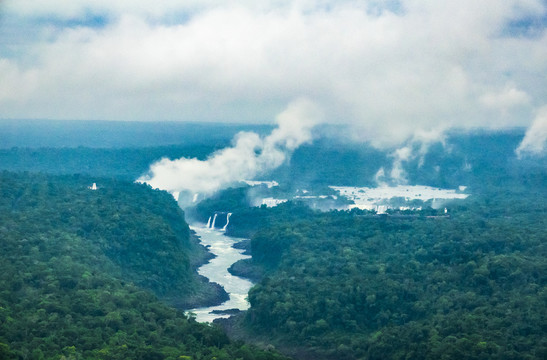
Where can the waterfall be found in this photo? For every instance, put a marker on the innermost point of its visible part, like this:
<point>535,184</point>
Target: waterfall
<point>227,221</point>
<point>209,222</point>
<point>214,219</point>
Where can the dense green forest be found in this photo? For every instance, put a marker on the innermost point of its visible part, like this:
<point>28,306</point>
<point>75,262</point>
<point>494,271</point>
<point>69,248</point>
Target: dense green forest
<point>82,271</point>
<point>100,274</point>
<point>351,285</point>
<point>346,285</point>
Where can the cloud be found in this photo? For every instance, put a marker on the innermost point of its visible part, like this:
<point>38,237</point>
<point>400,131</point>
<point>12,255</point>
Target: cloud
<point>249,156</point>
<point>505,98</point>
<point>535,140</point>
<point>390,69</point>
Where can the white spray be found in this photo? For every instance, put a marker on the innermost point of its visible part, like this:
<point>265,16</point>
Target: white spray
<point>250,155</point>
<point>535,140</point>
<point>415,148</point>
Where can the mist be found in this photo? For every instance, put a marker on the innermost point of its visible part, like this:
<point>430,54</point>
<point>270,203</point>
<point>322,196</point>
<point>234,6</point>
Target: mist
<point>249,156</point>
<point>535,139</point>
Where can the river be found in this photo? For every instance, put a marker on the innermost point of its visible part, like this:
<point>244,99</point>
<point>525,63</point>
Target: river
<point>216,271</point>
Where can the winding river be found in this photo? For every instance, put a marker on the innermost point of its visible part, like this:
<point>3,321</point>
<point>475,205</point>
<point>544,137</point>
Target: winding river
<point>216,271</point>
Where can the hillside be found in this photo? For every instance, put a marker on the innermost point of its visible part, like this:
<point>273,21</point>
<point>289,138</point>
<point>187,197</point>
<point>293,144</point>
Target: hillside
<point>351,285</point>
<point>82,271</point>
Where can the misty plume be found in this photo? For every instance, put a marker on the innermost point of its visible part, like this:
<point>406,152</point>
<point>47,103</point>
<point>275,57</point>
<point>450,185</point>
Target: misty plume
<point>249,156</point>
<point>415,148</point>
<point>535,139</point>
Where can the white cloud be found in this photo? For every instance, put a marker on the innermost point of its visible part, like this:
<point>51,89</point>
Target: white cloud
<point>506,101</point>
<point>506,98</point>
<point>425,66</point>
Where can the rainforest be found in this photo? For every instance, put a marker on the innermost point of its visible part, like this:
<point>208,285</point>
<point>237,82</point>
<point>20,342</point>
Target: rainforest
<point>279,179</point>
<point>110,272</point>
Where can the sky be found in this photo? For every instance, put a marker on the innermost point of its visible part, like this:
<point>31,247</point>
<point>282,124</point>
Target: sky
<point>396,71</point>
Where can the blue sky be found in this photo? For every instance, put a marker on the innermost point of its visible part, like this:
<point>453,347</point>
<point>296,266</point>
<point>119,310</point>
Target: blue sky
<point>394,70</point>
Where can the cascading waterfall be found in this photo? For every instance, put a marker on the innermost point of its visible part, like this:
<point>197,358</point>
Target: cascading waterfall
<point>227,221</point>
<point>213,219</point>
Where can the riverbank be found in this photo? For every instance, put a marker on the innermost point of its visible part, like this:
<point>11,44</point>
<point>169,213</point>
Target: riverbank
<point>205,293</point>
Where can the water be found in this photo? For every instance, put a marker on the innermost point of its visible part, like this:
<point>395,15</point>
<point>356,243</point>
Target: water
<point>372,198</point>
<point>227,221</point>
<point>217,271</point>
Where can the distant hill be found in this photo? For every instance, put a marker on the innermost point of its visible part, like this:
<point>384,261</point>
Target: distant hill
<point>135,233</point>
<point>121,163</point>
<point>465,158</point>
<point>126,150</point>
<point>115,134</point>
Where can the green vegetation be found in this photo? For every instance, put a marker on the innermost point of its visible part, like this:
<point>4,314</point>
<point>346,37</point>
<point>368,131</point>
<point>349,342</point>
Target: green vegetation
<point>100,274</point>
<point>346,285</point>
<point>80,269</point>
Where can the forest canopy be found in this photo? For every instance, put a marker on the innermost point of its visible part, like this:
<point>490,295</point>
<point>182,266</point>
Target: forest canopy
<point>82,271</point>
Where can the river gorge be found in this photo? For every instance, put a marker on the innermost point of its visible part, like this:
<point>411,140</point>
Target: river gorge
<point>216,270</point>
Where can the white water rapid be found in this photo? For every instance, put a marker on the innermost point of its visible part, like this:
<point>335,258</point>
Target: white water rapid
<point>217,271</point>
